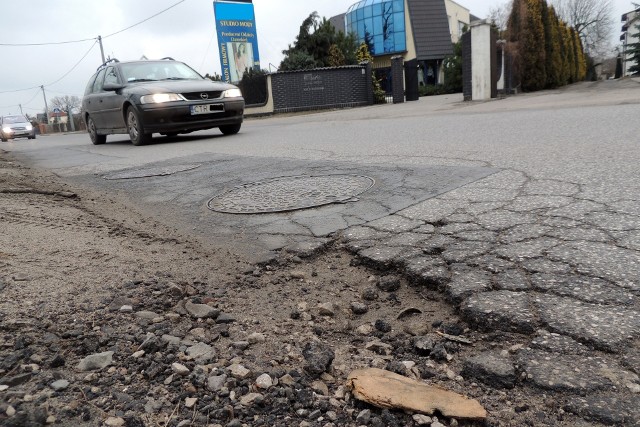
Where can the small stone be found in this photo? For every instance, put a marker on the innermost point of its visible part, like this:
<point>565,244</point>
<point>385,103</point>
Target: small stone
<point>240,345</point>
<point>216,382</point>
<point>190,402</point>
<point>238,371</point>
<point>383,325</point>
<point>327,309</point>
<point>320,388</point>
<point>225,318</point>
<point>359,308</point>
<point>298,274</point>
<point>250,399</point>
<point>51,419</point>
<point>422,420</point>
<point>126,309</point>
<point>4,387</point>
<point>365,329</point>
<point>264,382</point>
<point>96,361</point>
<point>11,411</point>
<point>363,417</point>
<point>201,311</point>
<point>287,380</point>
<point>370,294</point>
<point>59,385</point>
<point>389,283</point>
<point>179,369</point>
<point>318,357</point>
<point>114,422</point>
<point>423,345</point>
<point>201,353</point>
<point>379,347</point>
<point>57,362</point>
<point>170,340</point>
<point>256,338</point>
<point>138,354</point>
<point>146,315</point>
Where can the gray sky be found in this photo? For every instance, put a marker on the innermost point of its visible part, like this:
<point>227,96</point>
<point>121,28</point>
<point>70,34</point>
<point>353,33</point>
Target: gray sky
<point>186,32</point>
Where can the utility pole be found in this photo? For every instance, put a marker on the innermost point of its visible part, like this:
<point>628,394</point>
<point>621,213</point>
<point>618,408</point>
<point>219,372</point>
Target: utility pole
<point>101,49</point>
<point>46,107</point>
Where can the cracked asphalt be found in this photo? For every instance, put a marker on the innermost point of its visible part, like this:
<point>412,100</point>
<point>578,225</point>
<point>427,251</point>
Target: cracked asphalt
<point>524,212</point>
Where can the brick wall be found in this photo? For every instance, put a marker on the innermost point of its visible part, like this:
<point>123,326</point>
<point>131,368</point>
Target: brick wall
<point>321,88</point>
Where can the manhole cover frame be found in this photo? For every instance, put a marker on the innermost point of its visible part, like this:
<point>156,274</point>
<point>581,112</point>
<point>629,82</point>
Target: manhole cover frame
<point>352,197</point>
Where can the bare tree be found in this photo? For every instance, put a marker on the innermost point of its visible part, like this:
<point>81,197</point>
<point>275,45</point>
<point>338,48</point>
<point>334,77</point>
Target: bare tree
<point>592,19</point>
<point>499,15</point>
<point>67,104</point>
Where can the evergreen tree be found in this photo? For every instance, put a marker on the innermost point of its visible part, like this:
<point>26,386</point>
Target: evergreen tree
<point>514,33</point>
<point>565,73</point>
<point>532,48</point>
<point>553,64</point>
<point>312,48</point>
<point>364,55</point>
<point>633,50</point>
<point>336,57</point>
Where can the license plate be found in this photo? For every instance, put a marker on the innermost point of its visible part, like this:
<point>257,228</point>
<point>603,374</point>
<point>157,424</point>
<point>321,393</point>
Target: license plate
<point>207,109</point>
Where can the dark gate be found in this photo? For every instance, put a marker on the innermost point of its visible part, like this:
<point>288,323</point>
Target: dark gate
<point>411,80</point>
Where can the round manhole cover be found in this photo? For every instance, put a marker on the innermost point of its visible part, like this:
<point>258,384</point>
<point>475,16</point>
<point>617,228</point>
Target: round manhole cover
<point>290,193</point>
<point>152,171</point>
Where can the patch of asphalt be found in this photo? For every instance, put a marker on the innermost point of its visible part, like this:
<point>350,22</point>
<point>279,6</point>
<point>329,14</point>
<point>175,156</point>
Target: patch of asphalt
<point>184,195</point>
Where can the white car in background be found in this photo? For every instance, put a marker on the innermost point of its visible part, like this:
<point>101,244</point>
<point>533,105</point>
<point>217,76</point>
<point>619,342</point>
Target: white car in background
<point>12,127</point>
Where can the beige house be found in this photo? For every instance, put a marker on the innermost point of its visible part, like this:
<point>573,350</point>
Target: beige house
<point>459,19</point>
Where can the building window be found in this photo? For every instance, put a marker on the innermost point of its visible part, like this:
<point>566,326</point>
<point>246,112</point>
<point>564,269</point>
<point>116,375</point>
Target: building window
<point>461,28</point>
<point>379,24</point>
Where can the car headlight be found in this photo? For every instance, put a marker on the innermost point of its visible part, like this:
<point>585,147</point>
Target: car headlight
<point>160,98</point>
<point>7,130</point>
<point>232,93</point>
<point>29,127</point>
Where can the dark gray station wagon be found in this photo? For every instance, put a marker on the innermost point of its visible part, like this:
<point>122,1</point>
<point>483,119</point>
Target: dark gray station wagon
<point>165,96</point>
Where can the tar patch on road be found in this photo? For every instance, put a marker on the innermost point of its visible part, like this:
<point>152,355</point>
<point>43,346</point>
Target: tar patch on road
<point>185,198</point>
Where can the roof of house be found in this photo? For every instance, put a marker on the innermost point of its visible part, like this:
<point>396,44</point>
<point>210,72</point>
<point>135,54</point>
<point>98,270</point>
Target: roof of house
<point>431,31</point>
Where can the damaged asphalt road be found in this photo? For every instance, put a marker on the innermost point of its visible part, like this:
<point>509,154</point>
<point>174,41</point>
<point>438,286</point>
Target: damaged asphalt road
<point>522,215</point>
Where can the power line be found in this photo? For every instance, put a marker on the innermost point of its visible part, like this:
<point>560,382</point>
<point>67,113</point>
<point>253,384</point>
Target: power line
<point>65,75</point>
<point>45,44</point>
<point>92,38</point>
<point>145,20</point>
<point>74,67</point>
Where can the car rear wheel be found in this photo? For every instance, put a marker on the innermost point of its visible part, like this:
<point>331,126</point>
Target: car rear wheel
<point>93,133</point>
<point>4,139</point>
<point>136,128</point>
<point>230,129</point>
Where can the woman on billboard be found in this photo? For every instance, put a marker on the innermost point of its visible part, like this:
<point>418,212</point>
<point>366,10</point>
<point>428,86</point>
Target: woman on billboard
<point>242,59</point>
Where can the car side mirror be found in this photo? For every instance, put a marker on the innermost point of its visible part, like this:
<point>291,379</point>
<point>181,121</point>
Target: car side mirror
<point>112,86</point>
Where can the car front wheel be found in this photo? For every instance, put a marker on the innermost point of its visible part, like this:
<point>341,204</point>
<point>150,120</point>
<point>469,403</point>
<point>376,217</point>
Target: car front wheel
<point>93,133</point>
<point>230,129</point>
<point>136,128</point>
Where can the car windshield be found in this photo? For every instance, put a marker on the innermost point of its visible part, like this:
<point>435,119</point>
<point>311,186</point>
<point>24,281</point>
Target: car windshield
<point>154,71</point>
<point>14,119</point>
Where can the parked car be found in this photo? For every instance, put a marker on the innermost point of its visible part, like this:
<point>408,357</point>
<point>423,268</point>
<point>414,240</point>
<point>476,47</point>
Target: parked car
<point>164,96</point>
<point>12,127</point>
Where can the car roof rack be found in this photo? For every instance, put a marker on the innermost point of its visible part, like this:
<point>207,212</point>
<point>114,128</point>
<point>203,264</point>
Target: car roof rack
<point>107,62</point>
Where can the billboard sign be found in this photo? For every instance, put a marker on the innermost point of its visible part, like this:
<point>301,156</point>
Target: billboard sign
<point>237,38</point>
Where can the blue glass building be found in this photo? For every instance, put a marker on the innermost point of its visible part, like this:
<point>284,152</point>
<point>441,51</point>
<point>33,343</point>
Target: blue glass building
<point>380,24</point>
<point>421,30</point>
